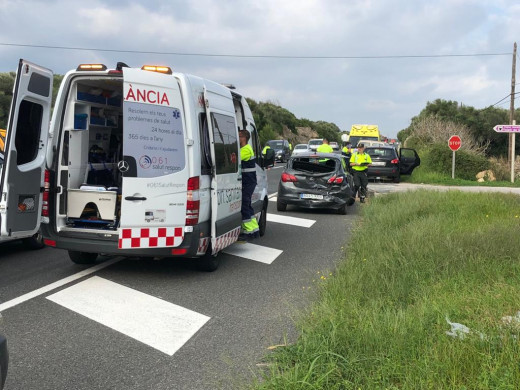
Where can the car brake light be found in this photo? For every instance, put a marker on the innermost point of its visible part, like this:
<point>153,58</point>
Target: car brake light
<point>288,178</point>
<point>46,193</point>
<point>395,161</point>
<point>335,179</point>
<point>193,201</point>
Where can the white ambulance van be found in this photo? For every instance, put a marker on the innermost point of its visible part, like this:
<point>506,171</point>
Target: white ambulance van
<point>140,162</point>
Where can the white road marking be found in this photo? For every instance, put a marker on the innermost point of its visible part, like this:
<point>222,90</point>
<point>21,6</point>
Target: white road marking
<point>290,220</point>
<point>152,321</point>
<point>254,252</point>
<point>273,198</point>
<point>59,283</point>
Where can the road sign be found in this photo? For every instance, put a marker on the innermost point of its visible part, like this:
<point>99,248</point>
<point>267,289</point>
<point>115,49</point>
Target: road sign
<point>454,142</point>
<point>507,128</point>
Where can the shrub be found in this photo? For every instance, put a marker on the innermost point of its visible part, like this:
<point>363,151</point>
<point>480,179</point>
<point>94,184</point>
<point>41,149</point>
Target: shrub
<point>438,158</point>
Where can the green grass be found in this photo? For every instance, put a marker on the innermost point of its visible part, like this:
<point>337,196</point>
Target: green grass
<point>379,322</point>
<point>422,176</point>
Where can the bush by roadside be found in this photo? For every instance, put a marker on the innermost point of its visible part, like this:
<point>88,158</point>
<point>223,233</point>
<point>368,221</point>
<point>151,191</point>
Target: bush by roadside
<point>417,261</point>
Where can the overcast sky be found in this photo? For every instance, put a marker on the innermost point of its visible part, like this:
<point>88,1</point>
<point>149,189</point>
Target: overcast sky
<point>244,42</point>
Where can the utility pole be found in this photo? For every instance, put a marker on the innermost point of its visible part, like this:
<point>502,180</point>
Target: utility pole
<point>512,114</point>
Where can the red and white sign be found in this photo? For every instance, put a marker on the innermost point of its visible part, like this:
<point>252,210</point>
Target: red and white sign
<point>159,237</point>
<point>454,142</point>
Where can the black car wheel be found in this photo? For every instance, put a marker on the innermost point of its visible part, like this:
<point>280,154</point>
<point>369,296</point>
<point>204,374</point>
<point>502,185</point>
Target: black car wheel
<point>82,257</point>
<point>343,210</point>
<point>397,179</point>
<point>280,206</point>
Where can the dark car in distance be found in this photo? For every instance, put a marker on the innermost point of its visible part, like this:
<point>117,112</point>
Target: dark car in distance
<point>388,162</point>
<point>316,180</point>
<point>282,152</point>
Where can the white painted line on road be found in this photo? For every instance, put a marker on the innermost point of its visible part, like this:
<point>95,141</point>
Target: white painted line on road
<point>290,220</point>
<point>152,321</point>
<point>273,198</point>
<point>254,252</point>
<point>59,283</point>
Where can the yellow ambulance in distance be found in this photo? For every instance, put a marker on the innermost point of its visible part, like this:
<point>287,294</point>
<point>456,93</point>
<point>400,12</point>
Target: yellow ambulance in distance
<point>364,132</point>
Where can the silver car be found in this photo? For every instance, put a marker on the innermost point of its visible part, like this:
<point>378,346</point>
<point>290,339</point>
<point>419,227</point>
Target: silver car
<point>300,148</point>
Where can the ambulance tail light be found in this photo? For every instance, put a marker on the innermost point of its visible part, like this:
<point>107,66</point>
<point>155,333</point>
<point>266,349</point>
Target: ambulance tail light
<point>86,67</point>
<point>46,193</point>
<point>288,178</point>
<point>193,201</point>
<point>159,69</point>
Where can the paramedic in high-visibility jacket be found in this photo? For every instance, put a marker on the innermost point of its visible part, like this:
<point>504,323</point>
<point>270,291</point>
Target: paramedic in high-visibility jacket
<point>360,161</point>
<point>250,227</point>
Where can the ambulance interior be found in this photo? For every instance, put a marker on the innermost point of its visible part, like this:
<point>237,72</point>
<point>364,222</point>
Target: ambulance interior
<point>90,148</point>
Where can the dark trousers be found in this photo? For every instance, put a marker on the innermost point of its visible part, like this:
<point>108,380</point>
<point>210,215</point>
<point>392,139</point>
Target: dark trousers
<point>360,182</point>
<point>247,193</point>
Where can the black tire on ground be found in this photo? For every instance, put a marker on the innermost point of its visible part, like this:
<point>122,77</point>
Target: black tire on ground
<point>83,257</point>
<point>208,262</point>
<point>397,179</point>
<point>262,224</point>
<point>343,210</point>
<point>280,206</point>
<point>34,242</point>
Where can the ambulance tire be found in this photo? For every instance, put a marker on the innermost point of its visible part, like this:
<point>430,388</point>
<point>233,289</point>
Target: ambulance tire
<point>34,242</point>
<point>208,262</point>
<point>262,224</point>
<point>83,257</point>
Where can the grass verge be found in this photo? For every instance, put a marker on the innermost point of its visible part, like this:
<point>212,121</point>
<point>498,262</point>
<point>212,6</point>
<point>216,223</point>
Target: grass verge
<point>422,176</point>
<point>416,260</point>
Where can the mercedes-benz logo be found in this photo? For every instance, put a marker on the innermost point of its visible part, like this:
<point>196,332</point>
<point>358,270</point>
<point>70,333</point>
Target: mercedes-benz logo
<point>123,166</point>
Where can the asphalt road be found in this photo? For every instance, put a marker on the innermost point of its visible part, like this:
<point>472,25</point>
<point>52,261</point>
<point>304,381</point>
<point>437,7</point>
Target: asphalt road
<point>102,330</point>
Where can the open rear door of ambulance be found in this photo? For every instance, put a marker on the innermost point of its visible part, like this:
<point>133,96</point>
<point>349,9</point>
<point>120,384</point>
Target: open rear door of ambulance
<point>226,185</point>
<point>154,167</point>
<point>25,149</point>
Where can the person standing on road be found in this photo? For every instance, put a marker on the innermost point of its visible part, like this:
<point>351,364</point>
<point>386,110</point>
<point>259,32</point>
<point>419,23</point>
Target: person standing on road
<point>250,228</point>
<point>360,161</point>
<point>347,150</point>
<point>325,147</point>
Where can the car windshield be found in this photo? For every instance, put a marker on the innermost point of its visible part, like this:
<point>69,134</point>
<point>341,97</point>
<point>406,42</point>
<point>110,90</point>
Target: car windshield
<point>276,144</point>
<point>381,152</point>
<point>315,142</point>
<point>314,165</point>
<point>300,147</point>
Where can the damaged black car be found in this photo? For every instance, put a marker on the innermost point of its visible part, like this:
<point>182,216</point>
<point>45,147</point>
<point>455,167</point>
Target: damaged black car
<point>316,180</point>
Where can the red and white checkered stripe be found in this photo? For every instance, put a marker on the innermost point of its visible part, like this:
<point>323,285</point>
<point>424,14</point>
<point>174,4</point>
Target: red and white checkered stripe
<point>203,245</point>
<point>226,240</point>
<point>158,237</point>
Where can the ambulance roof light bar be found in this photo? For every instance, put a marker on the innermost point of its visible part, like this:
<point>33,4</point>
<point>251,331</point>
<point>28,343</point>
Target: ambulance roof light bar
<point>159,69</point>
<point>85,67</point>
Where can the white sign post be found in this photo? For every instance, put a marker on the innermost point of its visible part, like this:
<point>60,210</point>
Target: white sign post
<point>514,128</point>
<point>454,143</point>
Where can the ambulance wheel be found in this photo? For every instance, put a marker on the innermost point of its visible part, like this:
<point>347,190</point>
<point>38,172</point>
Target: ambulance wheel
<point>34,242</point>
<point>82,257</point>
<point>208,262</point>
<point>262,224</point>
<point>280,206</point>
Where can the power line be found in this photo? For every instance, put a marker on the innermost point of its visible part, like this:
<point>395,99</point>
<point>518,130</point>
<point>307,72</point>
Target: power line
<point>251,55</point>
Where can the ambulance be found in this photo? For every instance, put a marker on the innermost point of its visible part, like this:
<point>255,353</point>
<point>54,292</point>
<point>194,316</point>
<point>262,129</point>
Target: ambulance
<point>138,162</point>
<point>364,132</point>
